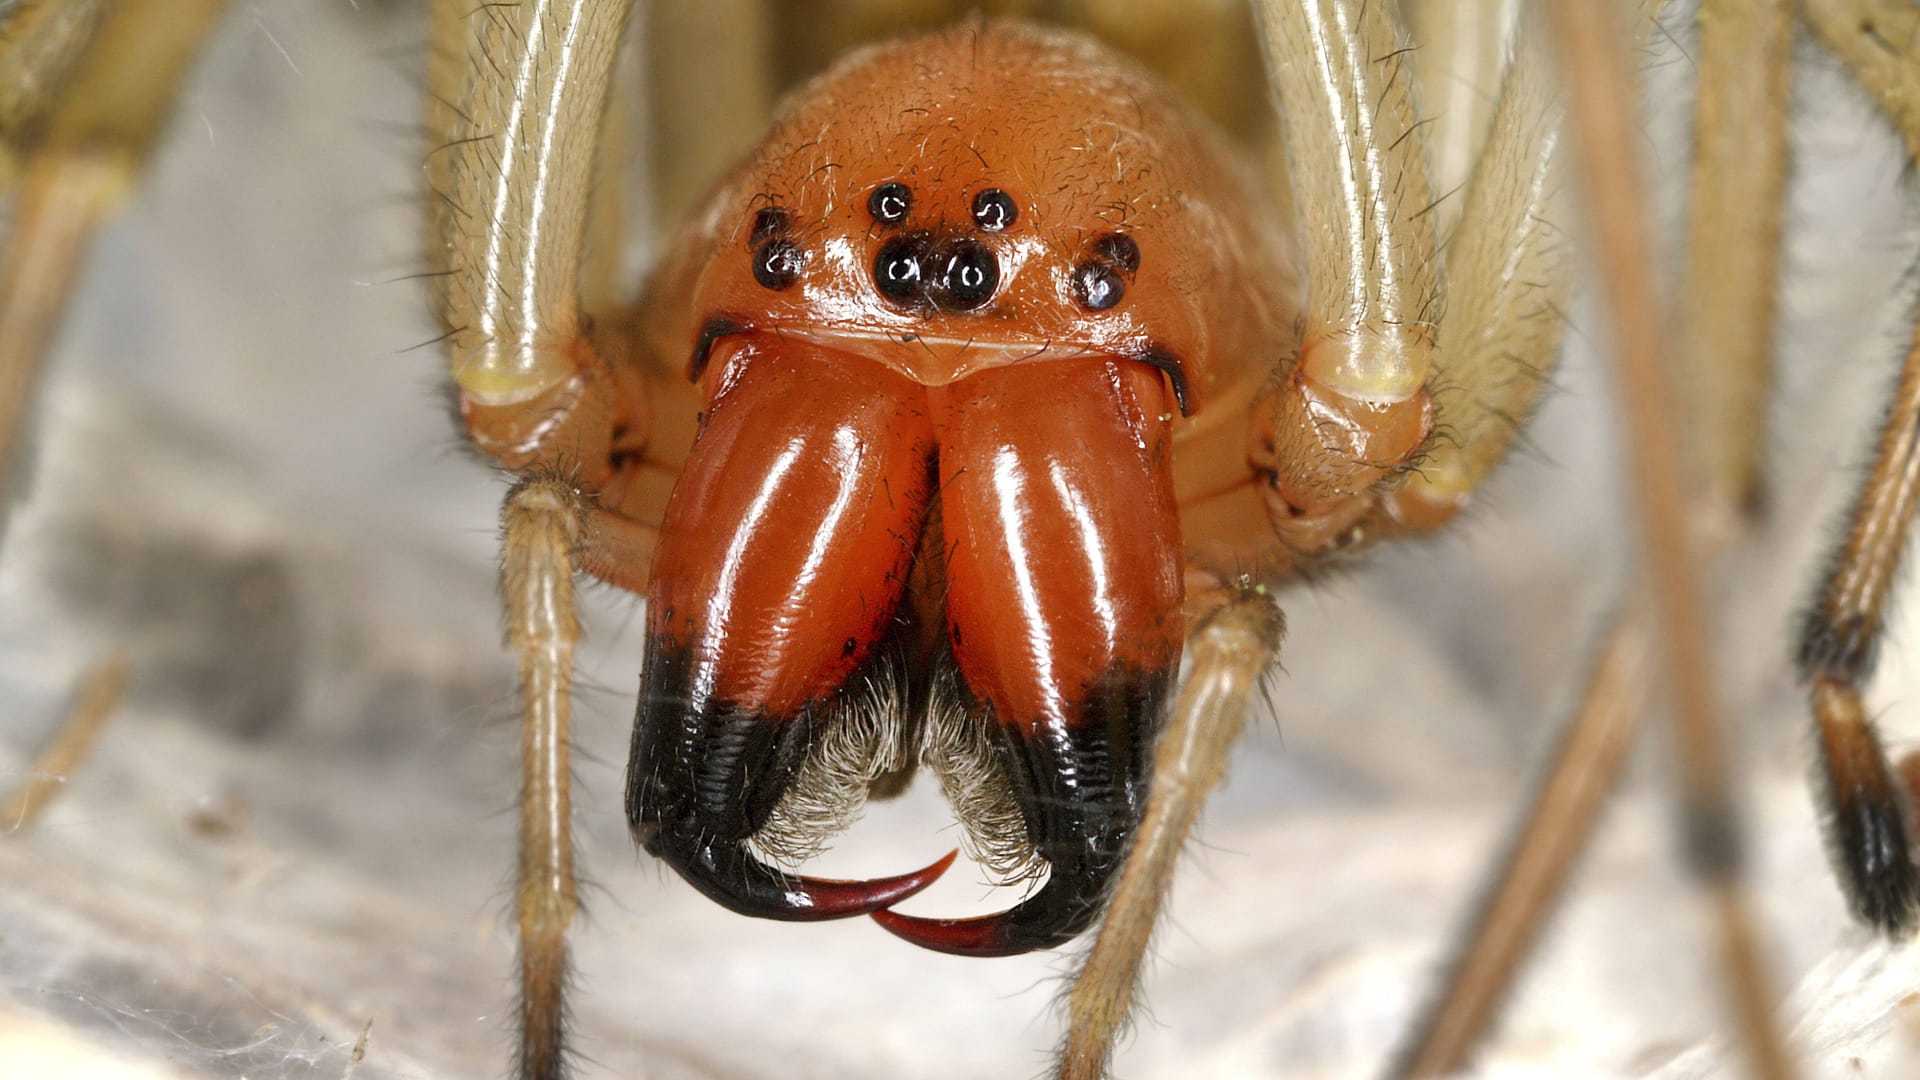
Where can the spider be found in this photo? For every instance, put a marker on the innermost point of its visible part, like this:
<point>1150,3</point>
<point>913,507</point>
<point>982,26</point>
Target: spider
<point>642,913</point>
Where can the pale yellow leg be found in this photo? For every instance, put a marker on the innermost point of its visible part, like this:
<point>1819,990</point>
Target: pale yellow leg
<point>700,123</point>
<point>99,693</point>
<point>541,530</point>
<point>99,87</point>
<point>1737,189</point>
<point>1343,76</point>
<point>1508,278</point>
<point>1508,271</point>
<point>516,107</point>
<point>1230,651</point>
<point>1460,66</point>
<point>514,126</point>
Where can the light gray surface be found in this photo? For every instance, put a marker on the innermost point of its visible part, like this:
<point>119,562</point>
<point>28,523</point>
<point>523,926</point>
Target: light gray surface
<point>299,822</point>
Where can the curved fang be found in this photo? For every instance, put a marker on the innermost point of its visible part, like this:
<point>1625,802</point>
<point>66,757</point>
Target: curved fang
<point>735,880</point>
<point>1063,907</point>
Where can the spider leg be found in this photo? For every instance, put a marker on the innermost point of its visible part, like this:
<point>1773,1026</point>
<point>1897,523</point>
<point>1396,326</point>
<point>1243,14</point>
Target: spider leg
<point>548,530</point>
<point>1737,189</point>
<point>697,125</point>
<point>1841,632</point>
<point>1839,639</point>
<point>1508,280</point>
<point>541,525</point>
<point>1354,408</point>
<point>510,168</point>
<point>1736,186</point>
<point>516,95</point>
<point>1496,338</point>
<point>99,692</point>
<point>1554,828</point>
<point>1594,53</point>
<point>1230,648</point>
<point>1400,404</point>
<point>98,84</point>
<point>1460,66</point>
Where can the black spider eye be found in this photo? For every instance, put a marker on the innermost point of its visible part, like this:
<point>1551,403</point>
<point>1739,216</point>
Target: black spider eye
<point>767,224</point>
<point>993,210</point>
<point>889,203</point>
<point>1118,249</point>
<point>777,263</point>
<point>896,271</point>
<point>1097,286</point>
<point>968,274</point>
<point>1101,281</point>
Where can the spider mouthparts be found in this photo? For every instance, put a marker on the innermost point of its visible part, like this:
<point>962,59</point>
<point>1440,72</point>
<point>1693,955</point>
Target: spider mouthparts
<point>731,877</point>
<point>831,899</point>
<point>1063,907</point>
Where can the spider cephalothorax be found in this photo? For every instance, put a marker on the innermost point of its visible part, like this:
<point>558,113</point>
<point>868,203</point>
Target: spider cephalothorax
<point>947,321</point>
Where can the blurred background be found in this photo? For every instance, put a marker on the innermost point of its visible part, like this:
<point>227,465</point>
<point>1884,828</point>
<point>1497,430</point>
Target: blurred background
<point>295,835</point>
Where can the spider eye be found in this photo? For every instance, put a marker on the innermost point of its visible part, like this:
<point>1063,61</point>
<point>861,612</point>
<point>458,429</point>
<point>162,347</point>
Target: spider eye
<point>993,210</point>
<point>889,203</point>
<point>1097,286</point>
<point>1119,250</point>
<point>777,263</point>
<point>968,274</point>
<point>767,224</point>
<point>1101,281</point>
<point>897,270</point>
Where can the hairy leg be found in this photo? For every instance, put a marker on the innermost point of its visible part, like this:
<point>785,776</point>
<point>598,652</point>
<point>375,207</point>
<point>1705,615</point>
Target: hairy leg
<point>1841,632</point>
<point>1461,64</point>
<point>1354,408</point>
<point>516,125</point>
<point>540,530</point>
<point>1230,649</point>
<point>1839,639</point>
<point>1508,275</point>
<point>516,99</point>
